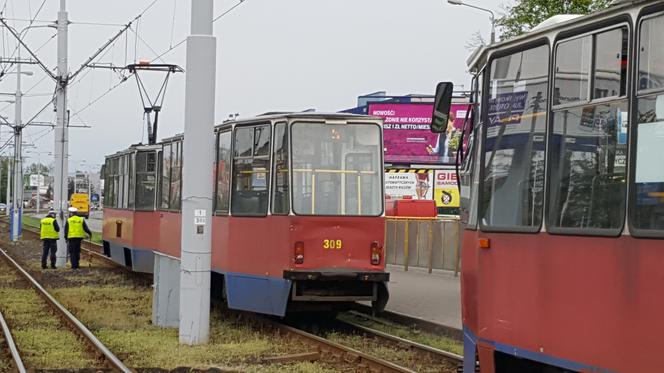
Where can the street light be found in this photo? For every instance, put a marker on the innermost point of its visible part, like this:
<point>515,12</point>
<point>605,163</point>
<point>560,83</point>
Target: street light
<point>493,16</point>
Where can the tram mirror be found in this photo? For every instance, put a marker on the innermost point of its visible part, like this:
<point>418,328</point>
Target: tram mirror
<point>441,107</point>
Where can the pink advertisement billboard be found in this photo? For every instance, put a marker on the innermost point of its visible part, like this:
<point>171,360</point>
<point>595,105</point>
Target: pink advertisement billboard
<point>407,136</point>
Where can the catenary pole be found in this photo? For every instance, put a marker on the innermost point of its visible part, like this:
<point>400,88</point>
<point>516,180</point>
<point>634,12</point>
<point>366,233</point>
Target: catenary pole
<point>17,201</point>
<point>61,134</point>
<point>197,185</point>
<point>9,185</point>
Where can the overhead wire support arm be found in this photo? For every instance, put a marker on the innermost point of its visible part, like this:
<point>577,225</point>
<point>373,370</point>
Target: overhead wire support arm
<point>101,49</point>
<point>18,38</point>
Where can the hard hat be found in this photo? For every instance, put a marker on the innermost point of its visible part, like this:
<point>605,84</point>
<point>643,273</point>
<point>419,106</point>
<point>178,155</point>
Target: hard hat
<point>73,209</point>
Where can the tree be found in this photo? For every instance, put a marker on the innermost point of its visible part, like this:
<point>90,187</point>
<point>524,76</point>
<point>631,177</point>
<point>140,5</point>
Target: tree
<point>526,14</point>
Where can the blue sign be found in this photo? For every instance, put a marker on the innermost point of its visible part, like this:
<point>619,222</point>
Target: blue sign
<point>94,198</point>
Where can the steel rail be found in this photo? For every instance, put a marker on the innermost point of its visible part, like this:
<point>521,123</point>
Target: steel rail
<point>364,311</point>
<point>110,358</point>
<point>372,362</point>
<point>18,362</point>
<point>411,344</point>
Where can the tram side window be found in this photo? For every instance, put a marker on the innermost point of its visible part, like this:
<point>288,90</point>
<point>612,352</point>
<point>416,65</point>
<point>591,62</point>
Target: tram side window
<point>573,71</point>
<point>513,183</point>
<point>131,176</point>
<point>123,182</point>
<point>647,212</point>
<point>176,176</point>
<point>589,145</point>
<point>251,171</point>
<point>223,172</point>
<point>116,181</point>
<point>165,177</point>
<point>145,180</point>
<point>651,54</point>
<point>280,190</point>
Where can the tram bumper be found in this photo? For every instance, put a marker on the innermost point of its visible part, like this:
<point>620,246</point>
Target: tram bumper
<point>339,286</point>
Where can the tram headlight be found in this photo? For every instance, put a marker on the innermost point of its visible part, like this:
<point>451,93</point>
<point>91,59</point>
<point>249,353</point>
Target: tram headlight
<point>299,252</point>
<point>376,253</point>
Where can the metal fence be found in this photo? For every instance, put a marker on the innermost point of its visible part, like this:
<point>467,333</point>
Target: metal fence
<point>431,243</point>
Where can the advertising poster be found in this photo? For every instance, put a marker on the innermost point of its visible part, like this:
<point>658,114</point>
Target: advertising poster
<point>416,184</point>
<point>507,108</point>
<point>446,192</point>
<point>408,138</point>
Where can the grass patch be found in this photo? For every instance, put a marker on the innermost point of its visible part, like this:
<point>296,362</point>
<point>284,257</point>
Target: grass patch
<point>44,342</point>
<point>124,326</point>
<point>409,333</point>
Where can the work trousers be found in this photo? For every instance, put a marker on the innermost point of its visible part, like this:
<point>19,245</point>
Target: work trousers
<point>49,250</point>
<point>74,246</point>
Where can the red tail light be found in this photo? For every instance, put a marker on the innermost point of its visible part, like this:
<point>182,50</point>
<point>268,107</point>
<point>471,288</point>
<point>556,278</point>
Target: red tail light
<point>376,253</point>
<point>299,252</point>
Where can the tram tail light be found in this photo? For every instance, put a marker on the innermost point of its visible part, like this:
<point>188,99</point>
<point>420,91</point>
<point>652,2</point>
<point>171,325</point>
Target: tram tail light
<point>376,253</point>
<point>299,252</point>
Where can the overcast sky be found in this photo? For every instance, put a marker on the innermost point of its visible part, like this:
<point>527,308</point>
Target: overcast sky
<point>272,55</point>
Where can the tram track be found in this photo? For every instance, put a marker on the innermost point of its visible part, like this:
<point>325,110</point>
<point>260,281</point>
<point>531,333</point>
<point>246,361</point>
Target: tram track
<point>100,351</point>
<point>12,358</point>
<point>345,355</point>
<point>380,351</point>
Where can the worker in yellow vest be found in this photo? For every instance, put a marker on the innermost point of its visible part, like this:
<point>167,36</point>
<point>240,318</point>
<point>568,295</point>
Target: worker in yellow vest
<point>49,229</point>
<point>75,232</point>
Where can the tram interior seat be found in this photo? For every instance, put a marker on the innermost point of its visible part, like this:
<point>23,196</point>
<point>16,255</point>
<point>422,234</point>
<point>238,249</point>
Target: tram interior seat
<point>250,202</point>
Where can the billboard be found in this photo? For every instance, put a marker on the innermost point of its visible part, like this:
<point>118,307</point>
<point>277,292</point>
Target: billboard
<point>416,184</point>
<point>36,180</point>
<point>446,192</point>
<point>407,136</point>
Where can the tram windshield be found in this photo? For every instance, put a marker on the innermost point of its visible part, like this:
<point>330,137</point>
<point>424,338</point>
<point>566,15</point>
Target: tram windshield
<point>337,169</point>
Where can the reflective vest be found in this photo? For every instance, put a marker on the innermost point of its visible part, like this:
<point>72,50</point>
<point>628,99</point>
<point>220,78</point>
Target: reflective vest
<point>48,229</point>
<point>75,229</point>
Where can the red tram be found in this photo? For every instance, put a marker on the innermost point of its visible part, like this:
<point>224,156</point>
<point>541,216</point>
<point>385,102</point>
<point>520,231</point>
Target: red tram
<point>563,197</point>
<point>298,222</point>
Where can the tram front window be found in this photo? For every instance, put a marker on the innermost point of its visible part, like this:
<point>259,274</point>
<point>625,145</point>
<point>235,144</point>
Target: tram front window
<point>336,169</point>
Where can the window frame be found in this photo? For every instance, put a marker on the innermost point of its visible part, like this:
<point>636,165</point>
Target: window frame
<point>636,95</point>
<point>591,82</point>
<point>606,26</point>
<point>273,167</point>
<point>484,120</point>
<point>253,126</point>
<point>217,211</point>
<point>137,172</point>
<point>381,165</point>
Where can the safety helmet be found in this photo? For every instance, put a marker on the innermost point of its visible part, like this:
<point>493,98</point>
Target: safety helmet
<point>73,209</point>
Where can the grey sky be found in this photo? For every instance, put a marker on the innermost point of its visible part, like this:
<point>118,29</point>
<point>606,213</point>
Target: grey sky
<point>272,55</point>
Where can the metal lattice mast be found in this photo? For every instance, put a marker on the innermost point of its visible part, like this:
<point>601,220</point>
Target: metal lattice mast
<point>61,133</point>
<point>198,160</point>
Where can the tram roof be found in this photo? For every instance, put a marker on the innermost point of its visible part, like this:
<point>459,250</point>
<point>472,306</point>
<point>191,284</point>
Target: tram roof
<point>480,55</point>
<point>135,147</point>
<point>271,116</point>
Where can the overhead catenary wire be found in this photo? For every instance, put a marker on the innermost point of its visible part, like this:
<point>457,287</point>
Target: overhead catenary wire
<point>159,56</point>
<point>214,20</point>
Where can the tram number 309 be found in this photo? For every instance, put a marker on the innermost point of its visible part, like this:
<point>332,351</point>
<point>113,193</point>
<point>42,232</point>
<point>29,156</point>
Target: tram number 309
<point>332,244</point>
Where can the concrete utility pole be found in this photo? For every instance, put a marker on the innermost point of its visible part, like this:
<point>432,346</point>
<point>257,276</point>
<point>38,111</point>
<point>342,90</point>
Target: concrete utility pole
<point>198,160</point>
<point>61,134</point>
<point>17,201</point>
